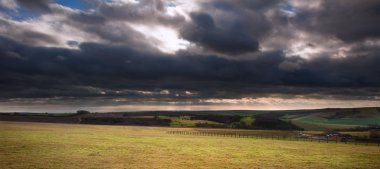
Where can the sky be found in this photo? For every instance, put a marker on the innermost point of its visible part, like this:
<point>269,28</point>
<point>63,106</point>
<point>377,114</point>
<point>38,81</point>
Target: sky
<point>134,55</point>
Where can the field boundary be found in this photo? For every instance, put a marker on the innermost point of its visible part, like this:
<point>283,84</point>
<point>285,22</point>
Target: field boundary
<point>326,139</point>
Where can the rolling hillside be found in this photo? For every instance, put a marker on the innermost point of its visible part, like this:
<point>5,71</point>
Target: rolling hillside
<point>317,119</point>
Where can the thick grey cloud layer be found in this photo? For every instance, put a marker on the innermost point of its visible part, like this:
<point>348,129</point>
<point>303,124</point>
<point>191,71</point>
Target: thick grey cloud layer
<point>348,20</point>
<point>204,33</point>
<point>50,70</point>
<point>237,49</point>
<point>231,27</point>
<point>41,5</point>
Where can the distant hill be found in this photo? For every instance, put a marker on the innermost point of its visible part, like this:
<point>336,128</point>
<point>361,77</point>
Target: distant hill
<point>335,118</point>
<point>316,119</point>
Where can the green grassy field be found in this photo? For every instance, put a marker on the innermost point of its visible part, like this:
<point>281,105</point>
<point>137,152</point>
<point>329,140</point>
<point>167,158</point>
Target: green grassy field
<point>45,145</point>
<point>322,126</point>
<point>352,121</point>
<point>185,121</point>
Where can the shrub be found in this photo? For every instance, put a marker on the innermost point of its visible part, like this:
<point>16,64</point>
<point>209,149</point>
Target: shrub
<point>80,112</point>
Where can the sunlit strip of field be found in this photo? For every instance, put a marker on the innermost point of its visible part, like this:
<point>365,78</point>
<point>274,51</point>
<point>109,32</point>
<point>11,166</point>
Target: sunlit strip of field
<point>45,145</point>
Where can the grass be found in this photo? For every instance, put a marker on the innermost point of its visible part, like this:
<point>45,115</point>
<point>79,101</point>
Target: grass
<point>319,123</point>
<point>185,121</point>
<point>335,119</point>
<point>321,126</point>
<point>344,121</point>
<point>248,120</point>
<point>364,134</point>
<point>249,132</point>
<point>44,145</point>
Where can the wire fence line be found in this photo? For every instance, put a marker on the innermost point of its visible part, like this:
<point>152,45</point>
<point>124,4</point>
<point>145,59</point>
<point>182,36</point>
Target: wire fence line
<point>320,139</point>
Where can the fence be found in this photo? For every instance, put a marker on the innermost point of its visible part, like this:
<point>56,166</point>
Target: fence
<point>325,139</point>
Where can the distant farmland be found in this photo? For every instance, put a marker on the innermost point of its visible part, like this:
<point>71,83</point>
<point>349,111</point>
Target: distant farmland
<point>337,119</point>
<point>319,119</point>
<point>48,145</point>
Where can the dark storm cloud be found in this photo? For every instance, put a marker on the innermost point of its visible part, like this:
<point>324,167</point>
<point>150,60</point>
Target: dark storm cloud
<point>253,5</point>
<point>348,20</point>
<point>41,5</point>
<point>231,27</point>
<point>97,70</point>
<point>204,33</point>
<point>124,63</point>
